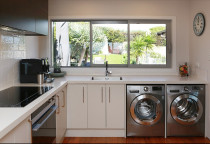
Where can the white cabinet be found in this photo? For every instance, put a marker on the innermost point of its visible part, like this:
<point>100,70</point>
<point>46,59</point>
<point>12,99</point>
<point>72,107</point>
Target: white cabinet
<point>96,106</point>
<point>115,106</point>
<point>61,115</point>
<point>77,106</point>
<point>20,134</point>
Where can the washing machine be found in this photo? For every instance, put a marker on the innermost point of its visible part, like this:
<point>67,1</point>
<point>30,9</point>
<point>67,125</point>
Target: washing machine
<point>185,110</point>
<point>145,110</point>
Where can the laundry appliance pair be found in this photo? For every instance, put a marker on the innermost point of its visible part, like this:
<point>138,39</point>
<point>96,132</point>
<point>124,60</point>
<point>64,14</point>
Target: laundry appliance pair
<point>165,110</point>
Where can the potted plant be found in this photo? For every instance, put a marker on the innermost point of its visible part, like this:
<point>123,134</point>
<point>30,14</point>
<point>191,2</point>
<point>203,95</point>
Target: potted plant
<point>57,67</point>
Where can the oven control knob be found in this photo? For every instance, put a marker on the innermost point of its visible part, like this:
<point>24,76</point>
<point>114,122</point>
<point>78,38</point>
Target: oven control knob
<point>146,89</point>
<point>186,89</point>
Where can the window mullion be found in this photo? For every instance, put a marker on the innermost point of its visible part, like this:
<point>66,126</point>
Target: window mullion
<point>91,44</point>
<point>128,56</point>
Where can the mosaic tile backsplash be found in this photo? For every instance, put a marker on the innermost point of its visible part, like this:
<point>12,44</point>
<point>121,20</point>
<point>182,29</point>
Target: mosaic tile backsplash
<point>12,49</point>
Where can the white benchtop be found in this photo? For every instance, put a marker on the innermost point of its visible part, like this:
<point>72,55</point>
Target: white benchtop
<point>139,80</point>
<point>11,117</point>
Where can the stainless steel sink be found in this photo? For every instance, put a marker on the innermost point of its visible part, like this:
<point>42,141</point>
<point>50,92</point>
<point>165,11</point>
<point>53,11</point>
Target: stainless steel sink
<point>106,78</point>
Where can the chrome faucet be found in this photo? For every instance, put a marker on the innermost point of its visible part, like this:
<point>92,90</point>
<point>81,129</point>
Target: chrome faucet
<point>107,72</point>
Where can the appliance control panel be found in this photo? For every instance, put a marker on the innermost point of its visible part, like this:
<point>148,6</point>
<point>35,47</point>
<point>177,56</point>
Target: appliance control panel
<point>184,88</point>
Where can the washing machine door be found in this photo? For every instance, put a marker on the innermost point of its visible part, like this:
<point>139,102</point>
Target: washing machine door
<point>146,109</point>
<point>186,109</point>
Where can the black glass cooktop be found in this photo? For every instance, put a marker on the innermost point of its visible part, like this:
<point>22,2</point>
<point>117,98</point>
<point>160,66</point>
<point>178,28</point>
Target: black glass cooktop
<point>21,96</point>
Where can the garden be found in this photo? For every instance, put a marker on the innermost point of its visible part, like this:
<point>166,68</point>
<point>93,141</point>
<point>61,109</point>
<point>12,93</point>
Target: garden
<point>110,43</point>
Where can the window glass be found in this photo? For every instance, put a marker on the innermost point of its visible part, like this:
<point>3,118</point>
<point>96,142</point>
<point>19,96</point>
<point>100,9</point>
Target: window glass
<point>109,43</point>
<point>127,43</point>
<point>147,43</point>
<point>71,43</point>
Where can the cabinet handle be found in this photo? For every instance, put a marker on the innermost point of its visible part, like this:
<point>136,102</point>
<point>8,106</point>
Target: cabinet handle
<point>29,120</point>
<point>102,91</point>
<point>64,100</point>
<point>109,96</point>
<point>83,95</point>
<point>58,111</point>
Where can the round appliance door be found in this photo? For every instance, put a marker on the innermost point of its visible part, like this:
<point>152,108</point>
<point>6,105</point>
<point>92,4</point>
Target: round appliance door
<point>146,109</point>
<point>186,109</point>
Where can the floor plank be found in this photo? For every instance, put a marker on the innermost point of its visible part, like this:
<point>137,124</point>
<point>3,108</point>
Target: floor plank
<point>169,140</point>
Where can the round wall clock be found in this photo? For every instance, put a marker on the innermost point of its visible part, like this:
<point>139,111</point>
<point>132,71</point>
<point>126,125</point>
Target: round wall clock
<point>199,24</point>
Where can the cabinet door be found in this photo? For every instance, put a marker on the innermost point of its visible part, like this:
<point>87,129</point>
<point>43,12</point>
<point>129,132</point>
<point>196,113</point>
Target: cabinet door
<point>115,95</point>
<point>28,15</point>
<point>23,132</point>
<point>61,116</point>
<point>77,106</point>
<point>9,138</point>
<point>64,110</point>
<point>41,16</point>
<point>17,14</point>
<point>20,134</point>
<point>96,106</point>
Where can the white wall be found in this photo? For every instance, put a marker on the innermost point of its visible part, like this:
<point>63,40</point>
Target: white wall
<point>200,49</point>
<point>118,9</point>
<point>32,46</point>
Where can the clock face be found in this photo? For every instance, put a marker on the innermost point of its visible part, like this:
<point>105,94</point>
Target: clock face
<point>199,24</point>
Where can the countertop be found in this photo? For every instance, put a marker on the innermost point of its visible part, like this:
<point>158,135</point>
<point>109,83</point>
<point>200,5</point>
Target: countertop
<point>11,117</point>
<point>139,80</point>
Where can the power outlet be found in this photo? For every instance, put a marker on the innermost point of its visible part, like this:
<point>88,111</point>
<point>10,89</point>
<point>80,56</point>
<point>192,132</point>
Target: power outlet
<point>197,65</point>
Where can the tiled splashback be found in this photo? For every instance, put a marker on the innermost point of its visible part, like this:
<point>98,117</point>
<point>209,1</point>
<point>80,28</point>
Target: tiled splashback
<point>12,49</point>
<point>12,46</point>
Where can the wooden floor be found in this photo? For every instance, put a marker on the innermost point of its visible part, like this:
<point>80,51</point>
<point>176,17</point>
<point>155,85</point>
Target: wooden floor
<point>175,140</point>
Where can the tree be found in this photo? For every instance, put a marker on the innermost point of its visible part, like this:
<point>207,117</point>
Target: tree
<point>115,36</point>
<point>79,38</point>
<point>141,45</point>
<point>135,33</point>
<point>149,41</point>
<point>137,47</point>
<point>154,33</point>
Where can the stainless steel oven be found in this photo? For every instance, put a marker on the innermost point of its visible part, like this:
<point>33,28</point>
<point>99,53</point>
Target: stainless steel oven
<point>44,122</point>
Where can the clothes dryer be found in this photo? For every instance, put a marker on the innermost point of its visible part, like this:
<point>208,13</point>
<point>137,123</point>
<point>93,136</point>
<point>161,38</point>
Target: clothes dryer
<point>185,110</point>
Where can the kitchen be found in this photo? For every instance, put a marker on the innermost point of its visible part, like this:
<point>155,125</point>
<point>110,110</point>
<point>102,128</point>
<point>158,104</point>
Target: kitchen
<point>187,47</point>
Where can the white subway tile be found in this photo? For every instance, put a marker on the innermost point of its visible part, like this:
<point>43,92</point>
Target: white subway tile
<point>12,49</point>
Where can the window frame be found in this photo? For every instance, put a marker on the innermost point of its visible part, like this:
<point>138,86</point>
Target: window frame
<point>168,23</point>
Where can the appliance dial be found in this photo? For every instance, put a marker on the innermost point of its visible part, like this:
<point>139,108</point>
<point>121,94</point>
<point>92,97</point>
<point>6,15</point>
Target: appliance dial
<point>146,89</point>
<point>186,89</point>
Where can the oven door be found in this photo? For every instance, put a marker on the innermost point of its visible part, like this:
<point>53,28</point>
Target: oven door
<point>44,123</point>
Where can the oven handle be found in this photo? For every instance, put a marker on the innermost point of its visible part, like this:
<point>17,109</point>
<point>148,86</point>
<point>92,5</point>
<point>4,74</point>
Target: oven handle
<point>44,110</point>
<point>36,126</point>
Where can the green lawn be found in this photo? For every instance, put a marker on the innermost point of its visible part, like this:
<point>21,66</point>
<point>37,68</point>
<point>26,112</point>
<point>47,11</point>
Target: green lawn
<point>114,58</point>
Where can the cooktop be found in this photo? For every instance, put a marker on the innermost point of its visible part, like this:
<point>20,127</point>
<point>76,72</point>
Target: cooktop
<point>21,96</point>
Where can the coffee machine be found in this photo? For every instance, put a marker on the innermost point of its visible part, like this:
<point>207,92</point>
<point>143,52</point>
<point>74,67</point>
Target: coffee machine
<point>30,68</point>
